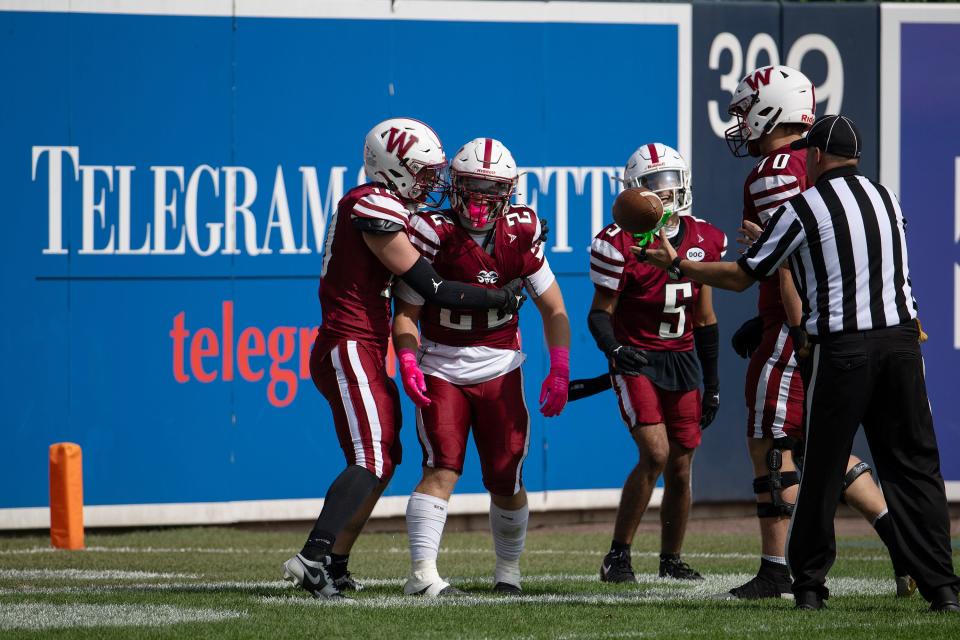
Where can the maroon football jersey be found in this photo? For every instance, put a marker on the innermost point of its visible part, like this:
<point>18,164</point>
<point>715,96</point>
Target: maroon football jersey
<point>353,280</point>
<point>774,180</point>
<point>514,251</point>
<point>653,312</point>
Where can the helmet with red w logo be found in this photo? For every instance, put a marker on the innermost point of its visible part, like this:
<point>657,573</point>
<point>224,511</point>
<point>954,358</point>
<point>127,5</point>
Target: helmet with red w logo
<point>765,98</point>
<point>406,156</point>
<point>483,178</point>
<point>661,169</point>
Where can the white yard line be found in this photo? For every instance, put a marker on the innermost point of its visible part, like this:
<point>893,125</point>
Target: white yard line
<point>391,551</point>
<point>90,574</point>
<point>36,615</point>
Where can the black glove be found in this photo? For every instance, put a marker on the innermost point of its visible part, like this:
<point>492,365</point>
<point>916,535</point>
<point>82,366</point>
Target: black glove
<point>747,338</point>
<point>801,345</point>
<point>627,361</point>
<point>515,296</point>
<point>709,406</point>
<point>544,230</point>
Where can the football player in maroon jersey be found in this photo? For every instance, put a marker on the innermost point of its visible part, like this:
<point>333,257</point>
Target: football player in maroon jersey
<point>648,326</point>
<point>774,106</point>
<point>467,373</point>
<point>366,248</point>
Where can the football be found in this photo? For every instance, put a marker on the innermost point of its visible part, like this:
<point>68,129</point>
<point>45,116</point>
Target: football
<point>637,211</point>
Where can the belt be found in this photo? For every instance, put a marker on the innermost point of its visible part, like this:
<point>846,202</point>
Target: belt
<point>904,328</point>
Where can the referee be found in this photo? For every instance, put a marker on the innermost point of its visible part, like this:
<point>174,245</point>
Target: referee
<point>844,239</point>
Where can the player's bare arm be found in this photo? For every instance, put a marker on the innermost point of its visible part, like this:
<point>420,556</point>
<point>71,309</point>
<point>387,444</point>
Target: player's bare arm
<point>395,251</point>
<point>722,275</point>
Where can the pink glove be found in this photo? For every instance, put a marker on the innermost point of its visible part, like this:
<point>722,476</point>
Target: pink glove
<point>553,393</point>
<point>412,377</point>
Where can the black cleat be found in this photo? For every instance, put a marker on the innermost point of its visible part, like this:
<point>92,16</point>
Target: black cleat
<point>616,567</point>
<point>312,576</point>
<point>760,587</point>
<point>507,589</point>
<point>678,570</point>
<point>347,582</point>
<point>809,601</point>
<point>945,601</point>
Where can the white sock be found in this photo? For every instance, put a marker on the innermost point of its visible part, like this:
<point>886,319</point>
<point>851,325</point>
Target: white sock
<point>509,530</point>
<point>776,559</point>
<point>426,516</point>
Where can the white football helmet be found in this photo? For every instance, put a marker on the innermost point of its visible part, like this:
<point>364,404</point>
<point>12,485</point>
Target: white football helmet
<point>405,155</point>
<point>483,178</point>
<point>765,98</point>
<point>661,169</point>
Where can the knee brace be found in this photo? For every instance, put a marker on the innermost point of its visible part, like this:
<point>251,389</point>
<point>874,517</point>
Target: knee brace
<point>774,483</point>
<point>855,472</point>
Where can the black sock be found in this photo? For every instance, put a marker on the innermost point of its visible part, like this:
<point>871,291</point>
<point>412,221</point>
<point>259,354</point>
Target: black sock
<point>338,565</point>
<point>884,527</point>
<point>344,497</point>
<point>618,547</point>
<point>669,556</point>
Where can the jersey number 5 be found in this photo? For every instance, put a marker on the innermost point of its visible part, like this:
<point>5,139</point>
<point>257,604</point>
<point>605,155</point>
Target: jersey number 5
<point>676,297</point>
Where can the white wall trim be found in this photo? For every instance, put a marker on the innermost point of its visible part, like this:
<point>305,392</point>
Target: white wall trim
<point>892,16</point>
<point>209,513</point>
<point>206,513</point>
<point>483,11</point>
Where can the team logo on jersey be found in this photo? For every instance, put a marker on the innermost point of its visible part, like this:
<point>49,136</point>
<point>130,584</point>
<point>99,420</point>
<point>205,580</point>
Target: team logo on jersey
<point>512,237</point>
<point>696,254</point>
<point>488,277</point>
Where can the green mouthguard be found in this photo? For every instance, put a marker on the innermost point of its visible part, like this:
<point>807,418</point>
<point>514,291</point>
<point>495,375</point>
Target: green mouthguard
<point>643,239</point>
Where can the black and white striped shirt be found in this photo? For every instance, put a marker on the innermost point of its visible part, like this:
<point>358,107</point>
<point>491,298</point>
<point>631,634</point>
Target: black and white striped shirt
<point>845,240</point>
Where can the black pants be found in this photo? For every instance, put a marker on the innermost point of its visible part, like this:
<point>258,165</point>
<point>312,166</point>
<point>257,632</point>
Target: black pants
<point>873,378</point>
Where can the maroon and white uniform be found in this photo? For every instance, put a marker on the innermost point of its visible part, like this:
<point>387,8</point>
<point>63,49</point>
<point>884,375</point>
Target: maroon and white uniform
<point>773,390</point>
<point>655,313</point>
<point>349,357</point>
<point>471,359</point>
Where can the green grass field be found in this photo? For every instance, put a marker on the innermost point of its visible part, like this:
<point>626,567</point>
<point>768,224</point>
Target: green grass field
<point>224,583</point>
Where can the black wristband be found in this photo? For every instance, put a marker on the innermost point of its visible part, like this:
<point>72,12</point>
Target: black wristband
<point>674,269</point>
<point>601,328</point>
<point>425,280</point>
<point>707,342</point>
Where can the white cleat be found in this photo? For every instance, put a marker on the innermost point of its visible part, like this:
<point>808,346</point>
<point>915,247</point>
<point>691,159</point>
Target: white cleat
<point>434,586</point>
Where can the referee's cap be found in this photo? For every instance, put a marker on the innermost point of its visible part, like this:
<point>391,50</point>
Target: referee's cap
<point>837,135</point>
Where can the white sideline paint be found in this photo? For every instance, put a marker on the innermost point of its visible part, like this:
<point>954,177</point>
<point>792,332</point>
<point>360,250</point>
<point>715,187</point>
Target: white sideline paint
<point>144,515</point>
<point>36,615</point>
<point>90,574</point>
<point>384,550</point>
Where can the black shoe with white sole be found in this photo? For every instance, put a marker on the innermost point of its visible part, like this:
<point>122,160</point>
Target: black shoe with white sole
<point>616,567</point>
<point>312,576</point>
<point>347,582</point>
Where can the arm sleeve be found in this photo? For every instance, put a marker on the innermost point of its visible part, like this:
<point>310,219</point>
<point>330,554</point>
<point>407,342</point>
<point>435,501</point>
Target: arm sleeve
<point>707,342</point>
<point>601,327</point>
<point>782,236</point>
<point>425,280</point>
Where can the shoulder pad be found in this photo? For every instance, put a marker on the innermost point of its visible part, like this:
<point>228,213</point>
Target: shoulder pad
<point>376,226</point>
